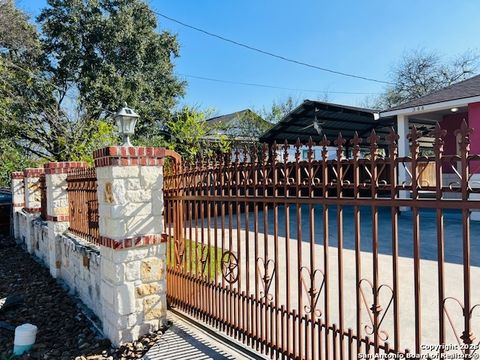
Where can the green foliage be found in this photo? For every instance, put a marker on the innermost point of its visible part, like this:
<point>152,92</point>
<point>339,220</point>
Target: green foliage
<point>279,109</point>
<point>102,134</point>
<point>193,252</point>
<point>110,50</point>
<point>187,129</point>
<point>12,158</point>
<point>58,90</point>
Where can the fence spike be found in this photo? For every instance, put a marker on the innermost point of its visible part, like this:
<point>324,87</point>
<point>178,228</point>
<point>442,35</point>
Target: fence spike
<point>310,152</point>
<point>438,133</point>
<point>356,141</point>
<point>285,151</point>
<point>264,153</point>
<point>244,153</point>
<point>298,145</point>
<point>254,153</point>
<point>464,133</point>
<point>273,152</point>
<point>324,143</point>
<point>413,136</point>
<point>339,142</point>
<point>237,155</point>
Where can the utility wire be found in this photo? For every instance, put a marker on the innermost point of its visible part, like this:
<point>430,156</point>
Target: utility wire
<point>249,47</point>
<point>274,87</point>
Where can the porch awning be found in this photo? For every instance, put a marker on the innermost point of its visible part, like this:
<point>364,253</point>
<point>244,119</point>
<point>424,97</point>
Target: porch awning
<point>331,120</point>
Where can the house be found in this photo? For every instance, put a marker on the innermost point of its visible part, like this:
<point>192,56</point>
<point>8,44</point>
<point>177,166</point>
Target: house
<point>242,126</point>
<point>449,107</point>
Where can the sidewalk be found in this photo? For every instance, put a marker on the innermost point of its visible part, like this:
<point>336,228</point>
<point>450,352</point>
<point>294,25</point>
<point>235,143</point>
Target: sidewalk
<point>184,340</point>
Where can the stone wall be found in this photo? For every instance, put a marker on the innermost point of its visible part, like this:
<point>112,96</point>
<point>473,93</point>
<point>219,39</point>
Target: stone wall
<point>122,276</point>
<point>80,269</point>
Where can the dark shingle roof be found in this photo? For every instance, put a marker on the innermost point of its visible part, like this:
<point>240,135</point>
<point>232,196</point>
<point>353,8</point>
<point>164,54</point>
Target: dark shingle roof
<point>332,118</point>
<point>463,89</point>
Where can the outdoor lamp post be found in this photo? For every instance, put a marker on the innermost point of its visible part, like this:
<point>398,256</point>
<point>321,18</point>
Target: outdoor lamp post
<point>126,119</point>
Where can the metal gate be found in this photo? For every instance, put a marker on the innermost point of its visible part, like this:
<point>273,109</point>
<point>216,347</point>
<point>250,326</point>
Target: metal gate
<point>315,258</point>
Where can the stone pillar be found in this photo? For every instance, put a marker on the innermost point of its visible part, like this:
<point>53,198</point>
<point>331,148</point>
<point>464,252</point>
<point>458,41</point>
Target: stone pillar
<point>33,204</point>
<point>18,201</point>
<point>57,209</point>
<point>132,249</point>
<point>403,150</point>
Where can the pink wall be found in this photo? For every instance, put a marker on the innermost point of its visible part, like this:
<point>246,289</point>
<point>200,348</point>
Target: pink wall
<point>451,122</point>
<point>474,123</point>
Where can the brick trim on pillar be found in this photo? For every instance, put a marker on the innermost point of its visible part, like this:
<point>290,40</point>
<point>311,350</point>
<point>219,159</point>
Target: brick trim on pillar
<point>17,175</point>
<point>132,242</point>
<point>33,172</point>
<point>53,168</point>
<point>129,156</point>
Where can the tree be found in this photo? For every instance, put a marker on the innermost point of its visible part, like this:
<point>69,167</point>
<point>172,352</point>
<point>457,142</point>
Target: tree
<point>95,55</point>
<point>17,35</point>
<point>279,109</point>
<point>12,158</point>
<point>110,52</point>
<point>420,72</point>
<point>187,130</point>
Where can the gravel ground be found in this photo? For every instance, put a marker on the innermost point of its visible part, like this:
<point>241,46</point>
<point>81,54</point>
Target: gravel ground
<point>64,332</point>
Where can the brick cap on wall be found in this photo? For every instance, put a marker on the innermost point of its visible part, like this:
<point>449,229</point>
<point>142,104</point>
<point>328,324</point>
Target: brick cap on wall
<point>17,175</point>
<point>32,210</point>
<point>63,167</point>
<point>128,156</point>
<point>33,172</point>
<point>59,218</point>
<point>136,241</point>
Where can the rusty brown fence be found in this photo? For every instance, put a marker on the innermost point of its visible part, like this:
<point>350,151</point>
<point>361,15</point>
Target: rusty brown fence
<point>83,203</point>
<point>329,258</point>
<point>43,196</point>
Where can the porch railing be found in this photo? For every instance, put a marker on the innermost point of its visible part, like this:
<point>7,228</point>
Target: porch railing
<point>83,203</point>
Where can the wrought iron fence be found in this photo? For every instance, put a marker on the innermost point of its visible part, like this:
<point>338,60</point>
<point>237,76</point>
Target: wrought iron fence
<point>83,203</point>
<point>314,259</point>
<point>43,196</point>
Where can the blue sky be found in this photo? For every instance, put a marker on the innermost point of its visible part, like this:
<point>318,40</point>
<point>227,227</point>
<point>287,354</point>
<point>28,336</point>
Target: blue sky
<point>363,37</point>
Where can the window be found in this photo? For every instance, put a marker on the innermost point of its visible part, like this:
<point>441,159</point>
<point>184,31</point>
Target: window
<point>305,154</point>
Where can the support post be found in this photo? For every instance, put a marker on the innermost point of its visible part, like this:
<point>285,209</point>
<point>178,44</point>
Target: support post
<point>132,249</point>
<point>403,150</point>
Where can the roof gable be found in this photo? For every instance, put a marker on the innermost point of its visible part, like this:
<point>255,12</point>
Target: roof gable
<point>463,89</point>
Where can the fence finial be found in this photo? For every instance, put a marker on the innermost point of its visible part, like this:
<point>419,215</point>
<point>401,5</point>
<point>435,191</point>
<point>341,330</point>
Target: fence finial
<point>298,145</point>
<point>310,152</point>
<point>356,141</point>
<point>438,133</point>
<point>285,151</point>
<point>324,143</point>
<point>464,133</point>
<point>339,142</point>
